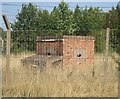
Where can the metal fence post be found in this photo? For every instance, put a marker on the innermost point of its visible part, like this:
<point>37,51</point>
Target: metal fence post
<point>106,55</point>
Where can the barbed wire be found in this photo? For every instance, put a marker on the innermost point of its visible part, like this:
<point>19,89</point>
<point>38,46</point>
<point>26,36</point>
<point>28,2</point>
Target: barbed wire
<point>56,5</point>
<point>11,13</point>
<point>8,11</point>
<point>50,30</point>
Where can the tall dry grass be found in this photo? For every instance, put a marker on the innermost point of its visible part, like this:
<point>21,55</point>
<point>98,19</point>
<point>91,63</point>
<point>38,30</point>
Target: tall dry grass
<point>57,82</point>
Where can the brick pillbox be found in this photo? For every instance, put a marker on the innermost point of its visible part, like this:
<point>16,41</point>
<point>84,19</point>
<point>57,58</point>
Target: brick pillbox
<point>75,50</point>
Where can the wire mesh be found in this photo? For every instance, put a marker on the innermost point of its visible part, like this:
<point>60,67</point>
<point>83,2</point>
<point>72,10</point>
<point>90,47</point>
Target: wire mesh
<point>63,56</point>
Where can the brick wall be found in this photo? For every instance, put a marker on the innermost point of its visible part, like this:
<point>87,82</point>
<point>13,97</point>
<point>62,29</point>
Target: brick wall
<point>49,47</point>
<point>77,51</point>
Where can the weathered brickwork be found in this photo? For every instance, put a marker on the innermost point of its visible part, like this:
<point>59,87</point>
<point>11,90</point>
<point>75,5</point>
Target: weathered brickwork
<point>76,50</point>
<point>49,48</point>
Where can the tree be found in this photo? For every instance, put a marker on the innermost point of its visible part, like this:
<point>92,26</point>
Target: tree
<point>94,20</point>
<point>91,22</point>
<point>32,22</point>
<point>24,35</point>
<point>78,17</point>
<point>64,18</point>
<point>115,29</point>
<point>3,36</point>
<point>2,33</point>
<point>88,19</point>
<point>46,23</point>
<point>118,27</point>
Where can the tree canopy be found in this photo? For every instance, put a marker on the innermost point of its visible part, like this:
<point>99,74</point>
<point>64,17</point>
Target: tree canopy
<point>33,22</point>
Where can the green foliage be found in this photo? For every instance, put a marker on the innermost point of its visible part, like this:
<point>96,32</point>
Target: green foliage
<point>32,23</point>
<point>3,36</point>
<point>100,39</point>
<point>88,20</point>
<point>115,26</point>
<point>78,17</point>
<point>64,19</point>
<point>118,11</point>
<point>91,22</point>
<point>23,37</point>
<point>2,33</point>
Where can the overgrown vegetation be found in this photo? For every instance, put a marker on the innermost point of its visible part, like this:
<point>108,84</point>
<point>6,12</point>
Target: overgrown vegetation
<point>83,82</point>
<point>58,82</point>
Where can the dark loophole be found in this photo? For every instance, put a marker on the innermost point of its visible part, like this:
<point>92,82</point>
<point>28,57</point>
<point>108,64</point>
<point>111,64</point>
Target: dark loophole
<point>49,53</point>
<point>79,55</point>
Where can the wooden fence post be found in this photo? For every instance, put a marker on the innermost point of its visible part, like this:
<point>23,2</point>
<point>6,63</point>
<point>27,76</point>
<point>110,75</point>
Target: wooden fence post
<point>119,77</point>
<point>108,16</point>
<point>105,71</point>
<point>7,48</point>
<point>106,56</point>
<point>118,6</point>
